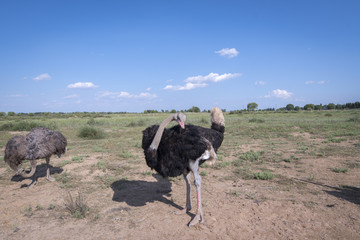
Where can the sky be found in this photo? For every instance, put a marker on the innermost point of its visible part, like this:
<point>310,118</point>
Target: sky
<point>131,56</point>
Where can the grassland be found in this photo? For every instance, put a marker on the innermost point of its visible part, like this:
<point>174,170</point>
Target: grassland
<point>279,166</point>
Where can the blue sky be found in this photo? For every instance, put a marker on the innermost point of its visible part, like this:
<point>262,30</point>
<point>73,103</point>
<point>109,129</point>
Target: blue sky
<point>67,56</point>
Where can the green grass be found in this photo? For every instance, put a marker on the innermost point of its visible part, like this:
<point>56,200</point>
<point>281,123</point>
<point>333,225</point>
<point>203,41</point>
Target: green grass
<point>340,170</point>
<point>263,175</point>
<point>91,133</point>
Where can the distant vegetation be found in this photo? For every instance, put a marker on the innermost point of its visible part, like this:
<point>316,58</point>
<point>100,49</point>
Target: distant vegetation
<point>250,107</point>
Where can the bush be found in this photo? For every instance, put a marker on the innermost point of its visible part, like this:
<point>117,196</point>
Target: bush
<point>26,126</point>
<point>251,156</point>
<point>263,175</point>
<point>91,133</point>
<point>77,208</point>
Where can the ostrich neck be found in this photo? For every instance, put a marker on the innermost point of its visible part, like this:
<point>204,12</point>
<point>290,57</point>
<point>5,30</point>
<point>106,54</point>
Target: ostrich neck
<point>156,141</point>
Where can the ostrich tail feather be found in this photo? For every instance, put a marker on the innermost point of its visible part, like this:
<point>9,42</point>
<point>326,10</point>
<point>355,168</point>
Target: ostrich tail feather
<point>217,120</point>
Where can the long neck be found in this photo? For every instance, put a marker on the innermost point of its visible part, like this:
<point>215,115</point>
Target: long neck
<point>156,141</point>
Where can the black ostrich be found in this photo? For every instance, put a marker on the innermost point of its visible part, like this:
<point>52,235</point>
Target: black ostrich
<point>182,149</point>
<point>39,143</point>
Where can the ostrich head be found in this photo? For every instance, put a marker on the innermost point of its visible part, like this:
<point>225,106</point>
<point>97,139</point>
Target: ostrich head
<point>180,118</point>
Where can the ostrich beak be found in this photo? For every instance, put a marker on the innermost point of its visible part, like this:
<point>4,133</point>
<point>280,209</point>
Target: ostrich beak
<point>181,124</point>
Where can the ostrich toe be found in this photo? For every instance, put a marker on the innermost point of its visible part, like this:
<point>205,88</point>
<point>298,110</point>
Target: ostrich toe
<point>51,179</point>
<point>198,218</point>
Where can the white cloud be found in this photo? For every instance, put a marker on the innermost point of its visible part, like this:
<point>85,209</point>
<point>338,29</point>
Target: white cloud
<point>41,77</point>
<point>228,52</point>
<point>82,85</point>
<point>72,96</point>
<point>200,81</point>
<point>261,83</point>
<point>118,95</point>
<point>278,93</point>
<point>148,89</point>
<point>187,86</point>
<point>312,82</point>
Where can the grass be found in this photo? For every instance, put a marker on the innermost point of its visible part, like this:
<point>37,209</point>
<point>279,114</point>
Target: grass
<point>263,175</point>
<point>260,146</point>
<point>77,207</point>
<point>91,133</point>
<point>340,170</point>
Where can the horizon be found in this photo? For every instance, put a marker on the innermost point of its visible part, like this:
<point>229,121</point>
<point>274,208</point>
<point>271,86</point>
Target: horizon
<point>87,56</point>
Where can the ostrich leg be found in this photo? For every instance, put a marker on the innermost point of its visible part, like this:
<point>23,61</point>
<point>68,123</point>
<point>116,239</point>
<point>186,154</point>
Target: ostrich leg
<point>51,179</point>
<point>188,203</point>
<point>194,166</point>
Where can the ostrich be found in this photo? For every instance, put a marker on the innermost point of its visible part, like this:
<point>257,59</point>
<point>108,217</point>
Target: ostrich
<point>182,149</point>
<point>39,143</point>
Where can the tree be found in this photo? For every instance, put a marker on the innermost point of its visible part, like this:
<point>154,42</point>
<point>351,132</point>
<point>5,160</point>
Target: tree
<point>11,114</point>
<point>290,107</point>
<point>194,109</point>
<point>297,108</point>
<point>331,106</point>
<point>309,107</point>
<point>252,106</point>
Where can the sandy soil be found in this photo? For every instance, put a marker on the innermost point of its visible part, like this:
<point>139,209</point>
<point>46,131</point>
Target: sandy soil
<point>305,201</point>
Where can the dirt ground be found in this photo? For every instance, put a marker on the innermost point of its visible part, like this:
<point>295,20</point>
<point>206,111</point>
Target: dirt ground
<point>305,201</point>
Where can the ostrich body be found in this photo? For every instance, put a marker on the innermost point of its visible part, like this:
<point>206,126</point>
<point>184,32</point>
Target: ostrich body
<point>39,143</point>
<point>182,149</point>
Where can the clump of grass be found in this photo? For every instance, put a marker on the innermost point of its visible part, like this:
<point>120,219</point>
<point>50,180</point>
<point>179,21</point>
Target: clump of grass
<point>77,159</point>
<point>256,120</point>
<point>91,121</point>
<point>139,123</point>
<point>51,206</point>
<point>243,173</point>
<point>147,173</point>
<point>91,133</point>
<point>78,207</point>
<point>251,156</point>
<point>28,212</point>
<point>203,173</point>
<point>340,170</point>
<point>101,166</point>
<point>66,162</point>
<point>337,140</point>
<point>126,154</point>
<point>234,193</point>
<point>354,119</point>
<point>39,207</point>
<point>263,175</point>
<point>291,159</point>
<point>26,126</point>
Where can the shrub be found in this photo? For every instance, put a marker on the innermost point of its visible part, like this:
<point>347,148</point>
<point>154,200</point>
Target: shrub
<point>251,156</point>
<point>26,126</point>
<point>91,133</point>
<point>77,208</point>
<point>263,175</point>
<point>255,120</point>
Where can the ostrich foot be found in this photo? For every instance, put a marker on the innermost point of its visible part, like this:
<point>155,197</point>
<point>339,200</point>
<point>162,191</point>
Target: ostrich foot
<point>20,171</point>
<point>198,218</point>
<point>32,184</point>
<point>51,179</point>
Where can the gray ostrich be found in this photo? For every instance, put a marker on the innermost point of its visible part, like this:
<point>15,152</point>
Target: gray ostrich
<point>39,143</point>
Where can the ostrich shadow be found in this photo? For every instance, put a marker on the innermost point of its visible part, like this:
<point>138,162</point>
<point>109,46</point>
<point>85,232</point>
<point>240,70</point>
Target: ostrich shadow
<point>39,172</point>
<point>348,193</point>
<point>137,193</point>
